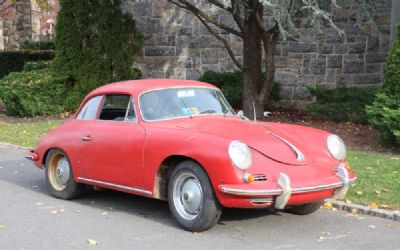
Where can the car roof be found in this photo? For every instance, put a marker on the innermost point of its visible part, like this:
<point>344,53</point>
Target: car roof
<point>139,86</point>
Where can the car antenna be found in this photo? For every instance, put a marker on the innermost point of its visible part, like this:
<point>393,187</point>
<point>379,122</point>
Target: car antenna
<point>254,112</point>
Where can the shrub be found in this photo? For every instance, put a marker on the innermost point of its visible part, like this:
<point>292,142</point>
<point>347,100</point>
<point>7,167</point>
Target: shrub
<point>231,84</point>
<point>35,65</point>
<point>13,61</point>
<point>341,104</point>
<point>96,44</point>
<point>384,113</point>
<point>33,93</point>
<point>37,45</point>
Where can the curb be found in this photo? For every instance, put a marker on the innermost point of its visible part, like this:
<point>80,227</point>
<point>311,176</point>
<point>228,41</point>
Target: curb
<point>360,209</point>
<point>9,145</point>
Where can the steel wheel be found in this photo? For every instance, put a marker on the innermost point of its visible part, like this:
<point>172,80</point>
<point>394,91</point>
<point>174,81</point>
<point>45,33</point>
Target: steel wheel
<point>187,196</point>
<point>59,171</point>
<point>191,197</point>
<point>59,176</point>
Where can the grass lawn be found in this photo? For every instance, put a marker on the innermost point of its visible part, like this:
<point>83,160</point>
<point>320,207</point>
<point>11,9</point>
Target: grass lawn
<point>25,133</point>
<point>378,183</point>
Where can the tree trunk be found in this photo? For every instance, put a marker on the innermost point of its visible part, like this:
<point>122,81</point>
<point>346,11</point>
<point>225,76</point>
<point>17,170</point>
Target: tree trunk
<point>252,73</point>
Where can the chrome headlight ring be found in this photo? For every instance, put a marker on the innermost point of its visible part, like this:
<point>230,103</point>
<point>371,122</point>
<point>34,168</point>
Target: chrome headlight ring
<point>336,147</point>
<point>240,155</point>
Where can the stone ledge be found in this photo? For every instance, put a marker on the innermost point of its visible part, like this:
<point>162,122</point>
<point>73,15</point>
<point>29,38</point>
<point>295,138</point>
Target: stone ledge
<point>360,209</point>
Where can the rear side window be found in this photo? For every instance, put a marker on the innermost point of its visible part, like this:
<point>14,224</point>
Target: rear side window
<point>118,108</point>
<point>89,110</point>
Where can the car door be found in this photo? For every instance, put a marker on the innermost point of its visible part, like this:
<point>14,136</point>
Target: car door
<point>112,145</point>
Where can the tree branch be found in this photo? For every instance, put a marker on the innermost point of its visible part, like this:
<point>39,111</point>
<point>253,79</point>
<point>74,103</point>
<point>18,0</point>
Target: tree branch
<point>196,11</point>
<point>226,43</point>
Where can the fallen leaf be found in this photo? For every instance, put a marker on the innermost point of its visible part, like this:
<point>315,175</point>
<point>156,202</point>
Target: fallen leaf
<point>54,211</point>
<point>378,192</point>
<point>359,192</point>
<point>39,203</point>
<point>327,205</point>
<point>354,210</point>
<point>395,158</point>
<point>389,225</point>
<point>2,226</point>
<point>372,226</point>
<point>384,206</point>
<point>334,209</point>
<point>92,242</point>
<point>105,213</point>
<point>349,201</point>
<point>386,190</point>
<point>374,205</point>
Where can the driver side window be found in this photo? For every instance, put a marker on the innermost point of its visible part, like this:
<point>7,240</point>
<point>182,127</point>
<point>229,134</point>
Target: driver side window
<point>118,108</point>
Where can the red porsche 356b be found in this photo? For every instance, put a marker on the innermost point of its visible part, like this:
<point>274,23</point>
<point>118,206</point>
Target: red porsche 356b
<point>181,141</point>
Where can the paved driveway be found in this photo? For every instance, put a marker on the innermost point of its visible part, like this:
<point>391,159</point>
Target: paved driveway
<point>32,219</point>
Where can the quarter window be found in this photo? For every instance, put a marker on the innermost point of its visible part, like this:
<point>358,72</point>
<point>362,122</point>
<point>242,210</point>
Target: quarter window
<point>89,110</point>
<point>118,108</point>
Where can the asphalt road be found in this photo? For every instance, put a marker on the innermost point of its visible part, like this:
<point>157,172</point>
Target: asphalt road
<point>31,219</point>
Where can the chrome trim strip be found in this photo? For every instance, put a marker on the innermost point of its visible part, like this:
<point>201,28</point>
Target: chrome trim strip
<point>136,190</point>
<point>299,154</point>
<point>29,157</point>
<point>246,192</point>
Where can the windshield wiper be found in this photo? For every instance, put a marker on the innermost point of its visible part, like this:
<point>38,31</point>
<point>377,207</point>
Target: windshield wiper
<point>207,111</point>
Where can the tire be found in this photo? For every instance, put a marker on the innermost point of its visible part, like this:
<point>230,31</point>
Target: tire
<point>59,176</point>
<point>305,209</point>
<point>191,198</point>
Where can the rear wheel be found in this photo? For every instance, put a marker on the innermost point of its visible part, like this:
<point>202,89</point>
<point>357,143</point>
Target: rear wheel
<point>191,198</point>
<point>59,176</point>
<point>305,209</point>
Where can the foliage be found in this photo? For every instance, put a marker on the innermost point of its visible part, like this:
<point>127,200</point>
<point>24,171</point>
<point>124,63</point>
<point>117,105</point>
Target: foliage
<point>96,44</point>
<point>46,44</point>
<point>384,113</point>
<point>231,84</point>
<point>33,93</point>
<point>378,182</point>
<point>35,65</point>
<point>25,133</point>
<point>13,61</point>
<point>341,104</point>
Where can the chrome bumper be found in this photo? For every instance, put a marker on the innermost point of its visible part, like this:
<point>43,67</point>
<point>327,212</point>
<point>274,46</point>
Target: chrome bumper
<point>283,194</point>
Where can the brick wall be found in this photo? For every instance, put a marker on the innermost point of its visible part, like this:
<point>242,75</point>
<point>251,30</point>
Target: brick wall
<point>178,46</point>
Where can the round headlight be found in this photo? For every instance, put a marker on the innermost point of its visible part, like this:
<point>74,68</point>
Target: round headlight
<point>336,147</point>
<point>240,155</point>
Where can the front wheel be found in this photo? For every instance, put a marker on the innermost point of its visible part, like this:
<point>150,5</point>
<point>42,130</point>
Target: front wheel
<point>305,209</point>
<point>59,176</point>
<point>191,198</point>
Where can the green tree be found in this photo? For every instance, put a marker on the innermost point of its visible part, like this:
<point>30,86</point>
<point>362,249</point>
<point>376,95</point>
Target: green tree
<point>259,40</point>
<point>95,44</point>
<point>384,114</point>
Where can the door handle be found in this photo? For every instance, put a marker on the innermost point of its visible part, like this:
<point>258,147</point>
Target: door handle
<point>86,138</point>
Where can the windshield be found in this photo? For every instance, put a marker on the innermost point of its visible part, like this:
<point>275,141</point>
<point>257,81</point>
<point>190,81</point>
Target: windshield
<point>180,102</point>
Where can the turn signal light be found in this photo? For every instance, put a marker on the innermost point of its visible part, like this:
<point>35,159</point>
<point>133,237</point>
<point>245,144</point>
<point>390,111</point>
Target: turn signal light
<point>347,166</point>
<point>248,178</point>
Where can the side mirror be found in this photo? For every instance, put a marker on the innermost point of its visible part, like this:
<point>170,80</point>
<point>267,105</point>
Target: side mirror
<point>240,113</point>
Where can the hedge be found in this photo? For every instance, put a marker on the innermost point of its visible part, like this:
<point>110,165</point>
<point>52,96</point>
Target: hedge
<point>14,61</point>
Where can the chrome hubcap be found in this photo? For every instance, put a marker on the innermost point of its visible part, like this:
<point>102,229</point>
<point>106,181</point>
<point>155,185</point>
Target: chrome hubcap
<point>62,171</point>
<point>187,196</point>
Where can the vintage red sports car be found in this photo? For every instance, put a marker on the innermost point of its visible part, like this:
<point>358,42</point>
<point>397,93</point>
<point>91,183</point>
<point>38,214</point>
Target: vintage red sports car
<point>181,141</point>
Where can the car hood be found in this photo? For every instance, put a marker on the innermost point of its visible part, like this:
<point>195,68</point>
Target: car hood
<point>266,138</point>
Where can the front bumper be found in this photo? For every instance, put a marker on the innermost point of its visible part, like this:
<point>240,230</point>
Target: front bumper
<point>284,193</point>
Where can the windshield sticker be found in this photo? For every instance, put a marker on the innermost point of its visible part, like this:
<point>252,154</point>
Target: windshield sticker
<point>185,111</point>
<point>189,110</point>
<point>186,93</point>
<point>193,110</point>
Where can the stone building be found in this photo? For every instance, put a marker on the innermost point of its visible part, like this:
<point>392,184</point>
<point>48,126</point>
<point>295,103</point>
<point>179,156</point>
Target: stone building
<point>177,45</point>
<point>30,23</point>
